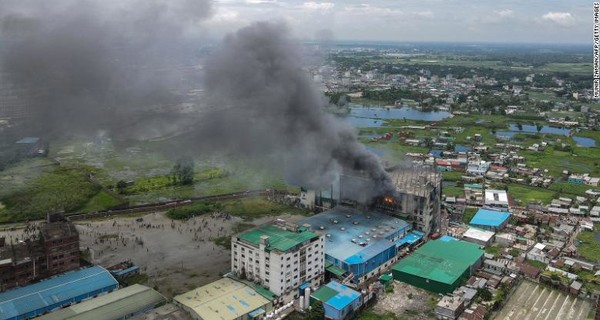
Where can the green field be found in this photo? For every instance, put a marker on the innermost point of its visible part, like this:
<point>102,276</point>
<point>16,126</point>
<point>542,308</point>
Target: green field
<point>101,201</point>
<point>525,194</point>
<point>589,247</point>
<point>573,68</point>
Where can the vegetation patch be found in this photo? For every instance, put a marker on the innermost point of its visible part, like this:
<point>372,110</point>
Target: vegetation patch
<point>101,201</point>
<point>588,246</point>
<point>193,210</point>
<point>64,188</point>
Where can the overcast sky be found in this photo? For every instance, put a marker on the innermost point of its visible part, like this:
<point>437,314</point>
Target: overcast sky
<point>547,21</point>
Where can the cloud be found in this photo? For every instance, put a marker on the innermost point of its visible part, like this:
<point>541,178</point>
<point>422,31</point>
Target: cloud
<point>260,1</point>
<point>505,13</point>
<point>318,5</point>
<point>564,19</point>
<point>424,14</point>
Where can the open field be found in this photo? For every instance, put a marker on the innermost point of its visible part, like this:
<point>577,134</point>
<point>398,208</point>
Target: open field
<point>589,248</point>
<point>175,255</point>
<point>406,302</point>
<point>534,301</point>
<point>525,194</point>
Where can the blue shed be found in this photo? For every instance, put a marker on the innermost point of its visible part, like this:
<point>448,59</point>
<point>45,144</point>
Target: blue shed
<point>65,289</point>
<point>339,301</point>
<point>490,219</point>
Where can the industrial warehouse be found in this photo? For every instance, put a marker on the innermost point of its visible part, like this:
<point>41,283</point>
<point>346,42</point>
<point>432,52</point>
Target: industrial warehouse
<point>51,294</point>
<point>361,243</point>
<point>439,265</point>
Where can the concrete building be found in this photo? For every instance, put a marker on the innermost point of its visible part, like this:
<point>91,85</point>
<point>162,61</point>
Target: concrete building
<point>439,265</point>
<point>361,243</point>
<point>224,299</point>
<point>339,301</point>
<point>496,199</point>
<point>55,293</point>
<point>480,237</point>
<point>449,308</point>
<point>54,251</point>
<point>418,198</point>
<point>125,303</point>
<point>279,256</point>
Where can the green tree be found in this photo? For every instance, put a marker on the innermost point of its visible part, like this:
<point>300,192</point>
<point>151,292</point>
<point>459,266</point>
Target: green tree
<point>121,186</point>
<point>183,171</point>
<point>316,311</point>
<point>485,294</point>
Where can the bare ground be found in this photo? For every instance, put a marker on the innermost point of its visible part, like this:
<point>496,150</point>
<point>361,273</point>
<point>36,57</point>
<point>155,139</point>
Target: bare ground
<point>176,255</point>
<point>407,302</point>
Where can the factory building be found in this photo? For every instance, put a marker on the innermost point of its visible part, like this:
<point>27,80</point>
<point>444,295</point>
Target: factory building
<point>490,219</point>
<point>120,304</point>
<point>339,301</point>
<point>439,265</point>
<point>54,293</point>
<point>361,243</point>
<point>224,299</point>
<point>54,250</point>
<point>418,198</point>
<point>279,256</point>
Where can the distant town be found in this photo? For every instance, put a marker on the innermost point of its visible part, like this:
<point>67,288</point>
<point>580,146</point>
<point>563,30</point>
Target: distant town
<point>492,152</point>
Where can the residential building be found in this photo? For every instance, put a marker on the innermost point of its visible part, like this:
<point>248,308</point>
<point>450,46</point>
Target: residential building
<point>449,307</point>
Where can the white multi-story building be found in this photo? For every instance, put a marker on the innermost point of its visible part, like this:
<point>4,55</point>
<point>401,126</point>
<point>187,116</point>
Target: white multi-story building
<point>281,258</point>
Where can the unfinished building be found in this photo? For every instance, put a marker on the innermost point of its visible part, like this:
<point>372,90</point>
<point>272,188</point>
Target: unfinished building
<point>53,251</point>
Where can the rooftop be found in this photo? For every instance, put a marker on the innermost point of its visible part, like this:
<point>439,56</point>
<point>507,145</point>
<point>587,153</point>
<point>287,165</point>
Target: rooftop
<point>279,239</point>
<point>346,229</point>
<point>417,181</point>
<point>59,289</point>
<point>224,299</point>
<point>115,305</point>
<point>485,217</point>
<point>496,197</point>
<point>336,295</point>
<point>57,230</point>
<point>441,261</point>
<point>478,234</point>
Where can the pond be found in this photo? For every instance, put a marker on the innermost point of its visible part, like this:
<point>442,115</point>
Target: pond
<point>584,142</point>
<point>462,148</point>
<point>362,117</point>
<point>528,128</point>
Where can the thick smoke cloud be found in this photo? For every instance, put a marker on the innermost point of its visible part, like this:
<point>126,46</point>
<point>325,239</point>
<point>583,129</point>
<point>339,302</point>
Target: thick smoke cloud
<point>89,63</point>
<point>266,105</point>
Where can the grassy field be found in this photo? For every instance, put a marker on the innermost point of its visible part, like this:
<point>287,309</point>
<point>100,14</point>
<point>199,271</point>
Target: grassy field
<point>256,207</point>
<point>469,214</point>
<point>61,189</point>
<point>589,247</point>
<point>453,191</point>
<point>573,68</point>
<point>101,201</point>
<point>526,194</point>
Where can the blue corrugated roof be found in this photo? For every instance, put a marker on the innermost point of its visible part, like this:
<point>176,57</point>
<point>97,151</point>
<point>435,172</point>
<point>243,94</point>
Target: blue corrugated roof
<point>446,238</point>
<point>344,297</point>
<point>369,252</point>
<point>491,218</point>
<point>63,288</point>
<point>410,238</point>
<point>28,140</point>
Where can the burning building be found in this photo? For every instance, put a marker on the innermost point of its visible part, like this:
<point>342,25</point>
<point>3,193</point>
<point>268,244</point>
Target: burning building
<point>416,198</point>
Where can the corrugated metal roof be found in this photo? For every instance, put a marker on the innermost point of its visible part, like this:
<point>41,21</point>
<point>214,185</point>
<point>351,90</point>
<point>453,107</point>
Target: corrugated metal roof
<point>492,218</point>
<point>54,291</point>
<point>442,261</point>
<point>224,299</point>
<point>336,295</point>
<point>115,305</point>
<point>279,239</point>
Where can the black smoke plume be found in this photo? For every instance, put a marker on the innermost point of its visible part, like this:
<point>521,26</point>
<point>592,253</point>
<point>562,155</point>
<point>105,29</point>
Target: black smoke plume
<point>265,104</point>
<point>89,64</point>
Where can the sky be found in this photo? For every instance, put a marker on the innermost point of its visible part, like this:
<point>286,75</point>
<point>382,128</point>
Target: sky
<point>504,21</point>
